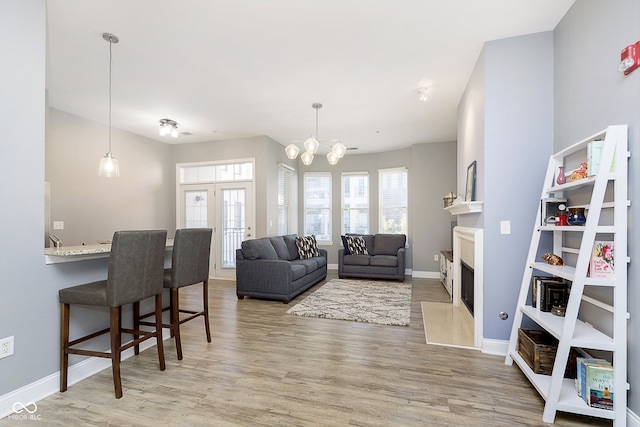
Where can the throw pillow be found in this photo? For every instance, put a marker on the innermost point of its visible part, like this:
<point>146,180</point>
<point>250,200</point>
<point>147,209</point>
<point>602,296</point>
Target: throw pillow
<point>307,247</point>
<point>357,245</point>
<point>345,245</point>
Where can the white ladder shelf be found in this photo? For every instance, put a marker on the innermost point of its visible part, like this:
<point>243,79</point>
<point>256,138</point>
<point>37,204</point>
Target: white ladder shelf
<point>606,202</point>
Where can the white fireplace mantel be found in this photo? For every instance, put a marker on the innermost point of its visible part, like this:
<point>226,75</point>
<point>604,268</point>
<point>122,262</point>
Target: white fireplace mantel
<point>467,247</point>
<point>461,208</point>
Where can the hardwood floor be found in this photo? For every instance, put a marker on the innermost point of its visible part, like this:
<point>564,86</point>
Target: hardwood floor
<point>265,367</point>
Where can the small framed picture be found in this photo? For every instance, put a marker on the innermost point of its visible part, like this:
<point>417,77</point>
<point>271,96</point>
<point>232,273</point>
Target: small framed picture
<point>470,192</point>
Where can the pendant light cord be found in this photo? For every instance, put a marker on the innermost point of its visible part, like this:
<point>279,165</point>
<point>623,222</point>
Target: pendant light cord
<point>110,68</point>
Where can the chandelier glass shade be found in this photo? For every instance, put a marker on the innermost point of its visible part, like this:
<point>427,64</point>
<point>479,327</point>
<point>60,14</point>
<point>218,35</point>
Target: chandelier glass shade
<point>109,166</point>
<point>168,128</point>
<point>311,145</point>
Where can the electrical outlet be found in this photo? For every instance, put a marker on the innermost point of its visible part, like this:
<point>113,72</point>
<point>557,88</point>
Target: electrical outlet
<point>6,347</point>
<point>436,257</point>
<point>58,225</point>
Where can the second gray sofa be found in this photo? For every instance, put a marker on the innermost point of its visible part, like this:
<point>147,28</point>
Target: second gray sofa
<point>384,258</point>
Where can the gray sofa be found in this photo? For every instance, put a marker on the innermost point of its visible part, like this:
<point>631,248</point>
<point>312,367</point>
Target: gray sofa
<point>271,268</point>
<point>384,258</point>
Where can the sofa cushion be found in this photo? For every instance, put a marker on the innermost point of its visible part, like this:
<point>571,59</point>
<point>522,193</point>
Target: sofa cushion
<point>297,271</point>
<point>280,246</point>
<point>290,240</point>
<point>384,261</point>
<point>259,249</point>
<point>356,259</point>
<point>388,244</point>
<point>310,265</point>
<point>321,261</point>
<point>307,247</point>
<point>356,245</point>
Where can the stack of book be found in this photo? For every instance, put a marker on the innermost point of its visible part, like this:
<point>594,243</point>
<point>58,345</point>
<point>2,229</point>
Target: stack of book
<point>549,291</point>
<point>594,382</point>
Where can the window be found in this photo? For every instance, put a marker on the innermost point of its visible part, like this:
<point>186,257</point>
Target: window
<point>317,205</point>
<point>393,200</point>
<point>285,199</point>
<point>355,203</point>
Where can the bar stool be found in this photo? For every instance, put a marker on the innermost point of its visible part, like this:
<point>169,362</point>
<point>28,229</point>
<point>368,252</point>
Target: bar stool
<point>189,266</point>
<point>136,266</point>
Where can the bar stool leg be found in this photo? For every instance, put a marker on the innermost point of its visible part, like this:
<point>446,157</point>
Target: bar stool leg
<point>175,320</point>
<point>136,325</point>
<point>205,297</point>
<point>159,342</point>
<point>114,326</point>
<point>64,345</point>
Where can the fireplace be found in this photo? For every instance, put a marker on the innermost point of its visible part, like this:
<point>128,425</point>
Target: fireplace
<point>466,285</point>
<point>468,269</point>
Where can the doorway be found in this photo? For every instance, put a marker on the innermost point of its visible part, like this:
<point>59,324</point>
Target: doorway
<point>228,207</point>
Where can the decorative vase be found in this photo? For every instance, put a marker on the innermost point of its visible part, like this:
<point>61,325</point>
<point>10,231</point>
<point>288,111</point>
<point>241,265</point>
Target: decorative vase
<point>576,216</point>
<point>561,177</point>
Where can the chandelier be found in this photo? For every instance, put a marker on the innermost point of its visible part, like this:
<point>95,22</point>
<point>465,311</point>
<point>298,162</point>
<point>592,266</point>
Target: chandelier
<point>108,164</point>
<point>311,145</point>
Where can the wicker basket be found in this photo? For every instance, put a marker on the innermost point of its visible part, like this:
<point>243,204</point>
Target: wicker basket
<point>538,349</point>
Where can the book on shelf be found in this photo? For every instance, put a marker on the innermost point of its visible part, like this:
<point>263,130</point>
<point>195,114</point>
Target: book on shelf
<point>581,372</point>
<point>600,386</point>
<point>549,291</point>
<point>594,157</point>
<point>602,260</point>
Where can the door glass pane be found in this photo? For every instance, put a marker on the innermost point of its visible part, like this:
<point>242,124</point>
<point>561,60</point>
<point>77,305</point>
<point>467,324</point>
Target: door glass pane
<point>195,207</point>
<point>233,224</point>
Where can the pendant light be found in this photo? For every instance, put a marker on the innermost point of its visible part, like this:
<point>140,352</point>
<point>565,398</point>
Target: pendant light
<point>311,145</point>
<point>108,164</point>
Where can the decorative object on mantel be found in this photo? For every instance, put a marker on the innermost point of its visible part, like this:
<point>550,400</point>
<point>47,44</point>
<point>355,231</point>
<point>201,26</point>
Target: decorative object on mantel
<point>108,164</point>
<point>561,176</point>
<point>579,174</point>
<point>311,145</point>
<point>449,199</point>
<point>470,191</point>
<point>552,259</point>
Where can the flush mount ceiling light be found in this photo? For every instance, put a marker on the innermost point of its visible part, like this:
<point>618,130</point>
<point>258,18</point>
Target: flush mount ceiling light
<point>312,143</point>
<point>423,94</point>
<point>168,127</point>
<point>108,164</point>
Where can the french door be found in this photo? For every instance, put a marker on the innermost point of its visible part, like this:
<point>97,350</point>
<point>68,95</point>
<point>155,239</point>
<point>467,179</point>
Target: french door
<point>227,208</point>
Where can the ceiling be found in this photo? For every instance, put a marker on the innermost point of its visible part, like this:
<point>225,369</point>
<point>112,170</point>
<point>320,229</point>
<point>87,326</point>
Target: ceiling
<point>226,69</point>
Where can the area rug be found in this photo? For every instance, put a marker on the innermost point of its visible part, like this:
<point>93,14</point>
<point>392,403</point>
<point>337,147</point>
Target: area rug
<point>448,325</point>
<point>371,301</point>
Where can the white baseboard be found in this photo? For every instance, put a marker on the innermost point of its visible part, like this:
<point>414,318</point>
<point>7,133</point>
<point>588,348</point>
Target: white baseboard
<point>496,347</point>
<point>25,398</point>
<point>426,274</point>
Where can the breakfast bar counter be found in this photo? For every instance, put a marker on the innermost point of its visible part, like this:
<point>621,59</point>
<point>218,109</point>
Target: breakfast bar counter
<point>82,252</point>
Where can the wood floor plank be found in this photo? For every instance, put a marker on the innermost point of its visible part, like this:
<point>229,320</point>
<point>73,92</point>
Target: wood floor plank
<point>265,367</point>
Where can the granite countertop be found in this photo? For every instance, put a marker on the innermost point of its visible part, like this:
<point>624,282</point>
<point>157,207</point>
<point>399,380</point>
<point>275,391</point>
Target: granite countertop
<point>77,253</point>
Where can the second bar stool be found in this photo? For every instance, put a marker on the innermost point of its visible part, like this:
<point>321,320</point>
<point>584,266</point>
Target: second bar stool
<point>189,266</point>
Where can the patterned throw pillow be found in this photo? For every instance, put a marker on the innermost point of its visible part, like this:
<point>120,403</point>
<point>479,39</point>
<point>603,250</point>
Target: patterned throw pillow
<point>307,247</point>
<point>356,245</point>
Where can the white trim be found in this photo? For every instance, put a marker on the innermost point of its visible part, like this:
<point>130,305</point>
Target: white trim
<point>496,347</point>
<point>426,274</point>
<point>50,384</point>
<point>474,235</point>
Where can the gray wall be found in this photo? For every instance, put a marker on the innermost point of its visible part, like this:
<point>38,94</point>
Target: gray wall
<point>93,207</point>
<point>590,94</point>
<point>505,124</point>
